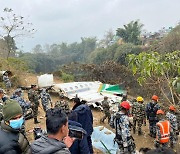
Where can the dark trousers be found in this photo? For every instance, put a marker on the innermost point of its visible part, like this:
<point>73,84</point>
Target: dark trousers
<point>152,127</point>
<point>90,144</point>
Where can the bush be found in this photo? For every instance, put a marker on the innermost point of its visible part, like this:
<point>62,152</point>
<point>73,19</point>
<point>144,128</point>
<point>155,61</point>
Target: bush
<point>123,50</point>
<point>67,77</point>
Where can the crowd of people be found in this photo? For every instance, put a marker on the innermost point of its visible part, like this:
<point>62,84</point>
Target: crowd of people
<point>163,127</point>
<point>69,131</point>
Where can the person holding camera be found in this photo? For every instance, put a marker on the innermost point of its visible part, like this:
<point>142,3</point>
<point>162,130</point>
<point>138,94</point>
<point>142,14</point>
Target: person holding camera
<point>83,115</point>
<point>80,145</point>
<point>57,140</point>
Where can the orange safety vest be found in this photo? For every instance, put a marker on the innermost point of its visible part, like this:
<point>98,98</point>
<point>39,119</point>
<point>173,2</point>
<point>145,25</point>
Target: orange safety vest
<point>164,130</point>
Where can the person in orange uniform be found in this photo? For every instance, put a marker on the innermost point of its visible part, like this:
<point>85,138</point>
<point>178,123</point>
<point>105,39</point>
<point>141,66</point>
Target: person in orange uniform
<point>162,130</point>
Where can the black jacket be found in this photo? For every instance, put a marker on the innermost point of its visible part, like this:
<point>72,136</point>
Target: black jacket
<point>79,146</point>
<point>45,145</point>
<point>12,141</point>
<point>84,117</point>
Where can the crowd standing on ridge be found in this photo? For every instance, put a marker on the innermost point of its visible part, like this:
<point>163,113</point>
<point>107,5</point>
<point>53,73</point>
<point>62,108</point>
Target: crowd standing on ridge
<point>69,130</point>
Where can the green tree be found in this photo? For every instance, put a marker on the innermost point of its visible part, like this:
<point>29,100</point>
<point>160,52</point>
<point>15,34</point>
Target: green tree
<point>13,26</point>
<point>162,70</point>
<point>124,50</point>
<point>130,33</point>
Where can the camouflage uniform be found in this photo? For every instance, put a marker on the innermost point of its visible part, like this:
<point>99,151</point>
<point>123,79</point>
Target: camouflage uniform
<point>178,120</point>
<point>139,115</point>
<point>174,128</point>
<point>34,98</point>
<point>45,98</point>
<point>24,105</point>
<point>151,110</point>
<point>106,107</point>
<point>1,106</point>
<point>7,81</point>
<point>63,105</point>
<point>123,137</point>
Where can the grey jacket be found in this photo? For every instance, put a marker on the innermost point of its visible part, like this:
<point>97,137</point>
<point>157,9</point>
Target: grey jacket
<point>45,145</point>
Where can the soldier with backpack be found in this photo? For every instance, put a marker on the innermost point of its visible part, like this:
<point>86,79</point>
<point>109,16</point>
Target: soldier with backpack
<point>123,136</point>
<point>151,110</point>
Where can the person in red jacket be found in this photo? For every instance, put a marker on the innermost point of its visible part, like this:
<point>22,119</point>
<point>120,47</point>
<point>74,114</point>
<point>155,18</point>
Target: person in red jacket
<point>162,130</point>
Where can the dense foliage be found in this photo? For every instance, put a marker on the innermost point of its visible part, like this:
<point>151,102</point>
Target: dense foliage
<point>163,70</point>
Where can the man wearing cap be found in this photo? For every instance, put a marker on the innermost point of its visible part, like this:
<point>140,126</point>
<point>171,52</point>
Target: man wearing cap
<point>18,97</point>
<point>34,98</point>
<point>12,141</point>
<point>106,107</point>
<point>123,135</point>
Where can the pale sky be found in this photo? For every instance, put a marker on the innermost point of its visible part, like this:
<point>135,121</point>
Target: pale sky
<point>59,21</point>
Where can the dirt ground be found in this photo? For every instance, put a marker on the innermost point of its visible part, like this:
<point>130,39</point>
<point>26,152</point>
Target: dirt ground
<point>141,141</point>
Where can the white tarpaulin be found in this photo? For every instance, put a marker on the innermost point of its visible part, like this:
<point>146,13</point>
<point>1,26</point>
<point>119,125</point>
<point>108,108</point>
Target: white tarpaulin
<point>45,80</point>
<point>103,134</point>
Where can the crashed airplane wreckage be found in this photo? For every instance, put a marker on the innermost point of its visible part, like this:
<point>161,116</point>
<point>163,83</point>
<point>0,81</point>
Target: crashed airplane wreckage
<point>91,92</point>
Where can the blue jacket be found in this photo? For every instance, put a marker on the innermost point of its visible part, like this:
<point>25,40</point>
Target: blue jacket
<point>85,118</point>
<point>79,146</point>
<point>151,110</point>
